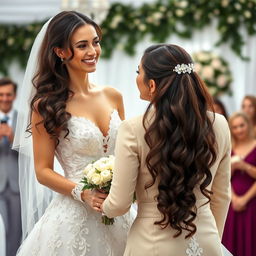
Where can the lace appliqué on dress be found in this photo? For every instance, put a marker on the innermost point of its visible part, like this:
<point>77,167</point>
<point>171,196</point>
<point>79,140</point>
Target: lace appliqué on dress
<point>194,249</point>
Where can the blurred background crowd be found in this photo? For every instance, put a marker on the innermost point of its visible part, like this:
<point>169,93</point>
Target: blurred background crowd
<point>220,35</point>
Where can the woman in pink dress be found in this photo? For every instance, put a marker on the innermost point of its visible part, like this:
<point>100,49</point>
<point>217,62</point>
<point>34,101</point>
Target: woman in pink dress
<point>239,234</point>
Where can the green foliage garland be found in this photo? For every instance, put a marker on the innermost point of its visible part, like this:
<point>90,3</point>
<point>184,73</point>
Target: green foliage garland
<point>127,25</point>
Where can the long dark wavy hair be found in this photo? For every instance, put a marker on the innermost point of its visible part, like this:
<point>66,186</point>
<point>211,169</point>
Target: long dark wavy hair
<point>52,79</point>
<point>181,138</point>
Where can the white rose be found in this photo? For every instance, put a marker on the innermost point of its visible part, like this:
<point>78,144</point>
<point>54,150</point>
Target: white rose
<point>183,4</point>
<point>150,19</point>
<point>96,179</point>
<point>103,160</point>
<point>157,16</point>
<point>203,56</point>
<point>137,21</point>
<point>142,27</point>
<point>100,166</point>
<point>238,6</point>
<point>88,168</point>
<point>109,166</point>
<point>111,161</point>
<point>222,81</point>
<point>216,63</point>
<point>10,41</point>
<point>231,19</point>
<point>225,3</point>
<point>207,73</point>
<point>212,90</point>
<point>90,173</point>
<point>116,21</point>
<point>198,67</point>
<point>100,162</point>
<point>106,176</point>
<point>162,9</point>
<point>247,14</point>
<point>179,12</point>
<point>197,16</point>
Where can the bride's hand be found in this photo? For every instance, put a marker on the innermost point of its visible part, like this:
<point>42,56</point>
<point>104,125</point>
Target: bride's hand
<point>94,198</point>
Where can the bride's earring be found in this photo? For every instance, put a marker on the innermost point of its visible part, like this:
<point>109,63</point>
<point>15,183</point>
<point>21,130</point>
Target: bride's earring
<point>61,59</point>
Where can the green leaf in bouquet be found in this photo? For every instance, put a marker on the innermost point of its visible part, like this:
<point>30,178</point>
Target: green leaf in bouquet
<point>107,221</point>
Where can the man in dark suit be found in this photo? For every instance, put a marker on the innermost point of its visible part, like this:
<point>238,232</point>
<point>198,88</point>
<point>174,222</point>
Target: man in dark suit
<point>9,180</point>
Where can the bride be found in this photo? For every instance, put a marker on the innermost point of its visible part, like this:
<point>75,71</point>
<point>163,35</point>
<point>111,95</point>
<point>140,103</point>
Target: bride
<point>77,122</point>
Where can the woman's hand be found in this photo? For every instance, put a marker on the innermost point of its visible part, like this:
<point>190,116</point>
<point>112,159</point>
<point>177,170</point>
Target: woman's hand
<point>94,198</point>
<point>242,165</point>
<point>238,165</point>
<point>239,203</point>
<point>6,130</point>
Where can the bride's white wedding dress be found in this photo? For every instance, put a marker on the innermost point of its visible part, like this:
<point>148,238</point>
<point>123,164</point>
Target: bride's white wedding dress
<point>69,227</point>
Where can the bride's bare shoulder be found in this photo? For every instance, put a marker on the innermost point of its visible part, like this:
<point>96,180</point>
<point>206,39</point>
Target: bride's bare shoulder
<point>111,92</point>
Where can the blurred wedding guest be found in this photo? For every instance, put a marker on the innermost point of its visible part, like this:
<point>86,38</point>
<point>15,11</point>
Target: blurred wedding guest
<point>239,233</point>
<point>9,182</point>
<point>219,107</point>
<point>249,107</point>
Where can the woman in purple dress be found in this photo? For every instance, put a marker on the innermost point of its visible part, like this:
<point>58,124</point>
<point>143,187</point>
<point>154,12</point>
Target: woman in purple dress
<point>239,234</point>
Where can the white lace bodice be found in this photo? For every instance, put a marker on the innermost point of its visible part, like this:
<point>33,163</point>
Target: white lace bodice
<point>84,144</point>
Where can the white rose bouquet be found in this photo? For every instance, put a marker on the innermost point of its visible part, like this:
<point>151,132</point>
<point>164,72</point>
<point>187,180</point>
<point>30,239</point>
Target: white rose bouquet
<point>214,71</point>
<point>98,175</point>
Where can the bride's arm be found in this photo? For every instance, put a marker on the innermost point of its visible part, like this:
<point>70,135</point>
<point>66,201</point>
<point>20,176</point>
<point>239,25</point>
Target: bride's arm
<point>44,148</point>
<point>120,106</point>
<point>125,173</point>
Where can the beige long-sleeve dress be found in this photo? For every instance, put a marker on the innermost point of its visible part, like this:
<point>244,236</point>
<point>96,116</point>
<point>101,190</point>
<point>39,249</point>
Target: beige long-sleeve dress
<point>131,174</point>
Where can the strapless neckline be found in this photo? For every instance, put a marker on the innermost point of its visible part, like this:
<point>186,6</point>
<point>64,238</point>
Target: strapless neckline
<point>86,120</point>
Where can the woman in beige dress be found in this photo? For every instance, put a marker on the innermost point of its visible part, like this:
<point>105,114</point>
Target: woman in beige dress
<point>176,157</point>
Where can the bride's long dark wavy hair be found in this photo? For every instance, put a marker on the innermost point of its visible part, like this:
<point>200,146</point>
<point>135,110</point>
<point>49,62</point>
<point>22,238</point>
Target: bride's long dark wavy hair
<point>181,137</point>
<point>52,79</point>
